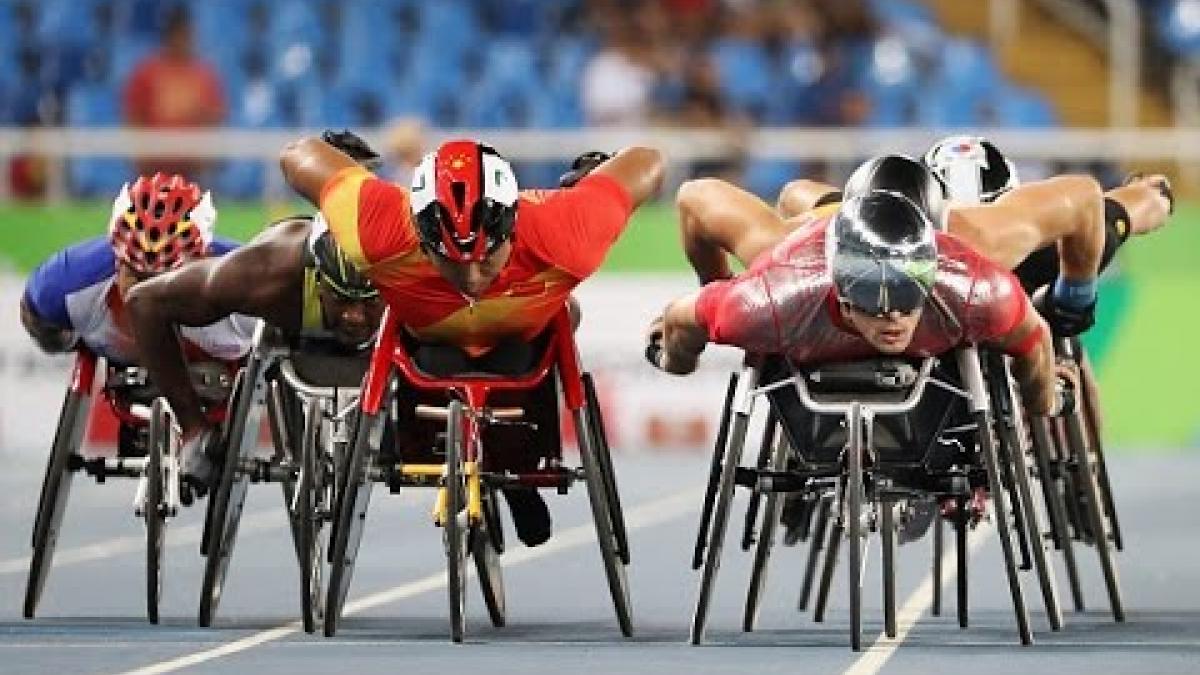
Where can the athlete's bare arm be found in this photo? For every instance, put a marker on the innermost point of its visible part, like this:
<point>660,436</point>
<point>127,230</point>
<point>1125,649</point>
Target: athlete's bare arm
<point>718,218</point>
<point>638,169</point>
<point>1034,372</point>
<point>1144,201</point>
<point>801,196</point>
<point>1064,210</point>
<point>262,279</point>
<point>309,163</point>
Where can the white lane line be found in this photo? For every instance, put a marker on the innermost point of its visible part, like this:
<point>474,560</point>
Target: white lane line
<point>643,516</point>
<point>916,605</point>
<point>177,536</point>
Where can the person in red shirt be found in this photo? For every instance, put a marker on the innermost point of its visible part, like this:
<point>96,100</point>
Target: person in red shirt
<point>172,88</point>
<point>869,277</point>
<point>474,267</point>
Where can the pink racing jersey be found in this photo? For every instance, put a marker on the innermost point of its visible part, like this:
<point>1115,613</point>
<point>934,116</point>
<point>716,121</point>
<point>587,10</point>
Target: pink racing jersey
<point>785,303</point>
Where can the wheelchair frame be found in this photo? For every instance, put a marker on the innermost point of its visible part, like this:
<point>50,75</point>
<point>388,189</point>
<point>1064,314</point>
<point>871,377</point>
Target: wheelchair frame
<point>852,498</point>
<point>465,506</point>
<point>156,498</point>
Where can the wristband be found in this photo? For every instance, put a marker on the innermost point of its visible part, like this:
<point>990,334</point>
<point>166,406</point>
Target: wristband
<point>1077,295</point>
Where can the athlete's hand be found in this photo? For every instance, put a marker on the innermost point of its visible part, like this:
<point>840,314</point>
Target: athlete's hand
<point>1065,386</point>
<point>352,144</point>
<point>660,357</point>
<point>1156,181</point>
<point>582,166</point>
<point>1063,321</point>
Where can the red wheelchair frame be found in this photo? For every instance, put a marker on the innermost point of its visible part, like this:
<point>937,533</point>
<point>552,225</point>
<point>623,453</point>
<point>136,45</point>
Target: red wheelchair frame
<point>463,483</point>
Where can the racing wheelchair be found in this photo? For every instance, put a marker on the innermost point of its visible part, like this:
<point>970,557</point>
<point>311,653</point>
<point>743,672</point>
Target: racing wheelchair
<point>148,450</point>
<point>863,444</point>
<point>308,394</point>
<point>415,429</point>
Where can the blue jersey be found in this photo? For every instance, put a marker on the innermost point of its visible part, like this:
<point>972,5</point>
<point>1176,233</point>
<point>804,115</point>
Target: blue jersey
<point>74,290</point>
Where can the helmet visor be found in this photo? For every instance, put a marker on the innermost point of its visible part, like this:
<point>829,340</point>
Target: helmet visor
<point>879,286</point>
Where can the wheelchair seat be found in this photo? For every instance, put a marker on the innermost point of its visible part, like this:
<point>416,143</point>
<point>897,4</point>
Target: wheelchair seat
<point>915,439</point>
<point>328,369</point>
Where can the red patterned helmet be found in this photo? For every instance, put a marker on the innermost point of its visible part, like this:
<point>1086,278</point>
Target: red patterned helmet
<point>160,221</point>
<point>464,198</point>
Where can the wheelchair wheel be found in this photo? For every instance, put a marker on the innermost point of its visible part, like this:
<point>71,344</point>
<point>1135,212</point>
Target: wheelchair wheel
<point>816,544</point>
<point>827,569</point>
<point>56,488</point>
<point>1048,468</point>
<point>728,458</point>
<point>962,570</point>
<point>1013,453</point>
<point>1087,472</point>
<point>307,518</point>
<point>854,504</point>
<point>456,528</point>
<point>762,462</point>
<point>1034,533</point>
<point>939,546</point>
<point>155,506</point>
<point>604,458</point>
<point>987,447</point>
<point>714,475</point>
<point>887,531</point>
<point>351,514</point>
<point>1091,412</point>
<point>486,553</point>
<point>229,496</point>
<point>766,538</point>
<point>604,521</point>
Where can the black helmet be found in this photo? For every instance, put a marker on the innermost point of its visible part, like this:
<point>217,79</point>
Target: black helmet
<point>336,271</point>
<point>971,169</point>
<point>902,175</point>
<point>882,253</point>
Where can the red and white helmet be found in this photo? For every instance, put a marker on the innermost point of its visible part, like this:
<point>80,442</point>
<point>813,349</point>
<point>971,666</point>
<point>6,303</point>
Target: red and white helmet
<point>464,199</point>
<point>160,221</point>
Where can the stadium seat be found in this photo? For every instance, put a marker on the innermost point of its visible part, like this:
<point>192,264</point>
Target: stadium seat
<point>765,177</point>
<point>1178,24</point>
<point>744,75</point>
<point>1020,107</point>
<point>95,105</point>
<point>890,84</point>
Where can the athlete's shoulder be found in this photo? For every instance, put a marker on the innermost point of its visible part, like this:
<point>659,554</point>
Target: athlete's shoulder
<point>68,271</point>
<point>80,265</point>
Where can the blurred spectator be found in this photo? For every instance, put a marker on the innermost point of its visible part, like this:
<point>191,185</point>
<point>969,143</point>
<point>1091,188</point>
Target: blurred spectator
<point>172,88</point>
<point>402,149</point>
<point>618,82</point>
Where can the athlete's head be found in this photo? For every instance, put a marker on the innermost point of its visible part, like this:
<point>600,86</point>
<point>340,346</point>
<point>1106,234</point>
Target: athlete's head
<point>158,223</point>
<point>971,169</point>
<point>350,304</point>
<point>902,175</point>
<point>464,198</point>
<point>883,259</point>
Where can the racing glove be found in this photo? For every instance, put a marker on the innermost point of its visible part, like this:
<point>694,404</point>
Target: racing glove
<point>352,144</point>
<point>1064,397</point>
<point>582,166</point>
<point>1063,321</point>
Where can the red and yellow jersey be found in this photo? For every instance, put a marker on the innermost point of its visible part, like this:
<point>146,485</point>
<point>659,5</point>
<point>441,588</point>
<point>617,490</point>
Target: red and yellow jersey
<point>560,238</point>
